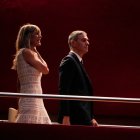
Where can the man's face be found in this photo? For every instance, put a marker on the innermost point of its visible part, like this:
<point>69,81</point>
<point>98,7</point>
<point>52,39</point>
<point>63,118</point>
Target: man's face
<point>82,43</point>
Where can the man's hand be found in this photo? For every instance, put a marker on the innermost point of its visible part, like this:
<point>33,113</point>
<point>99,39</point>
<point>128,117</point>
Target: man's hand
<point>66,120</point>
<point>94,123</point>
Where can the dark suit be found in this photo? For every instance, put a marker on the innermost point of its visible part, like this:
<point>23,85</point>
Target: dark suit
<point>73,80</point>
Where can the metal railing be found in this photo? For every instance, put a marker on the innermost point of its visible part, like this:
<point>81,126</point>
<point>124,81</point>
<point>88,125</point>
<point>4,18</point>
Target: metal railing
<point>71,97</point>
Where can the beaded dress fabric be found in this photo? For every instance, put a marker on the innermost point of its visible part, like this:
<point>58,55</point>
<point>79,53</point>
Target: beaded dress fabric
<point>31,110</point>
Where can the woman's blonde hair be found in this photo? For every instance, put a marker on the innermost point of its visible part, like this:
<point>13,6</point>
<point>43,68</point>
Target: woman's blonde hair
<point>23,38</point>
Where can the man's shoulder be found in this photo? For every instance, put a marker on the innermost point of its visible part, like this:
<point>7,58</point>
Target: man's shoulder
<point>68,60</point>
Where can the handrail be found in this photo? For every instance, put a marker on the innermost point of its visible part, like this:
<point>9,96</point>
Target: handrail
<point>71,97</point>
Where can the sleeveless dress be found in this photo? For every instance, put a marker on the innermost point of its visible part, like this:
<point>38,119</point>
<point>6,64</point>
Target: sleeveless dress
<point>30,110</point>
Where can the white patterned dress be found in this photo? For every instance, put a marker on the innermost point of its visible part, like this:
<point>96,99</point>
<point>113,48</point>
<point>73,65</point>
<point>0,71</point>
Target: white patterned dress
<point>31,110</point>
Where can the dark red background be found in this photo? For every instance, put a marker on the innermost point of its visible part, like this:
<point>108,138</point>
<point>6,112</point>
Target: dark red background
<point>113,27</point>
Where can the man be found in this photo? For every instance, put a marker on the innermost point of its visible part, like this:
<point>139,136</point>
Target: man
<point>73,80</point>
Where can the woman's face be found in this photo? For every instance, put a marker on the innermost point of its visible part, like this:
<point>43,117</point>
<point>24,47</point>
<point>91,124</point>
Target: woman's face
<point>36,39</point>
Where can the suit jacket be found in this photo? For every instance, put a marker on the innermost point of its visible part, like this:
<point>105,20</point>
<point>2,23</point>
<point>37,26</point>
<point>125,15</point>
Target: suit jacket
<point>73,80</point>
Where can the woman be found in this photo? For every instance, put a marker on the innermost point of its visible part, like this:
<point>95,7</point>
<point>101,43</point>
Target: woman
<point>30,66</point>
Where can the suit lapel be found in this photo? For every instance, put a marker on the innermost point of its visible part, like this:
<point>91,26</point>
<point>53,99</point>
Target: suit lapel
<point>79,64</point>
<point>81,70</point>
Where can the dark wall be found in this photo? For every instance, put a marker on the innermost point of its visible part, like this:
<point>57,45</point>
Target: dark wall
<point>113,58</point>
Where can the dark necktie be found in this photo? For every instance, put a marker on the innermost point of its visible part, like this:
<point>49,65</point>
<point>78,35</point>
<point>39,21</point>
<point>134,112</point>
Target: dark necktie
<point>82,62</point>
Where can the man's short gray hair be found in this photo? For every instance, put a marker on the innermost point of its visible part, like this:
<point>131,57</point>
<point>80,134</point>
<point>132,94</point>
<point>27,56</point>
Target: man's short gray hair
<point>74,35</point>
